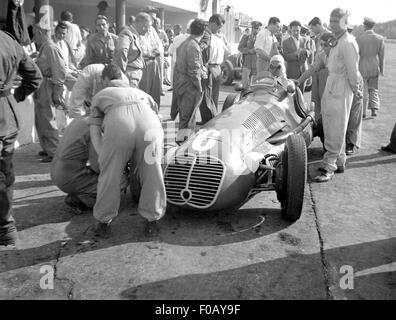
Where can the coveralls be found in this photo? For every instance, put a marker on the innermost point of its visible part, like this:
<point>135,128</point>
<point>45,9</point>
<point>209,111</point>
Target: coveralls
<point>342,83</point>
<point>88,83</point>
<point>69,170</point>
<point>13,60</point>
<point>132,131</point>
<point>50,95</point>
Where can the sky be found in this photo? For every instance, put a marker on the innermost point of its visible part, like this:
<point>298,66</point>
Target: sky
<point>289,10</point>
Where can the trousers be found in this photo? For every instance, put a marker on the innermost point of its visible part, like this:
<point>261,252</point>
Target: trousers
<point>131,133</point>
<point>336,107</point>
<point>7,179</point>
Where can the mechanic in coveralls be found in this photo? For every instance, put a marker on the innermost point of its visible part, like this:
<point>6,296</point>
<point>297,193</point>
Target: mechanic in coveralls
<point>13,61</point>
<point>51,93</point>
<point>132,131</point>
<point>88,83</point>
<point>342,84</point>
<point>70,170</point>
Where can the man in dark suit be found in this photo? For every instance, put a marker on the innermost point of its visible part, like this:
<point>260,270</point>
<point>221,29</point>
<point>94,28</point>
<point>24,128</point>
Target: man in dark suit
<point>371,64</point>
<point>13,61</point>
<point>188,74</point>
<point>296,51</point>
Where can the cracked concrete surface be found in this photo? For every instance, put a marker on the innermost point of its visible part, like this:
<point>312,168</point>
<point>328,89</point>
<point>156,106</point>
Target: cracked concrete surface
<point>248,254</point>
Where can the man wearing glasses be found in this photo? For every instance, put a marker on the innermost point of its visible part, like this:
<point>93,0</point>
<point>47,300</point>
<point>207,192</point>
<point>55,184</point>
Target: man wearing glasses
<point>342,85</point>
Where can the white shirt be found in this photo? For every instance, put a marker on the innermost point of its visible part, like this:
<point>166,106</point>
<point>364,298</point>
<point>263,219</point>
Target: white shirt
<point>177,41</point>
<point>151,41</point>
<point>265,40</point>
<point>73,36</point>
<point>218,49</point>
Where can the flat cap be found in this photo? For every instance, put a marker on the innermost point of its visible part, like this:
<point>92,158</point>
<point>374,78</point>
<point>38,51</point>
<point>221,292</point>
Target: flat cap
<point>367,20</point>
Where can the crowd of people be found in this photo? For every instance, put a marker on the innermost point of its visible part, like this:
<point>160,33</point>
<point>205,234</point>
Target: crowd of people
<point>102,93</point>
<point>342,70</point>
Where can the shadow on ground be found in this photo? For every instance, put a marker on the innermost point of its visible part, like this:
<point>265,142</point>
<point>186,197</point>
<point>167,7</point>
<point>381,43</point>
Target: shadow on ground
<point>294,277</point>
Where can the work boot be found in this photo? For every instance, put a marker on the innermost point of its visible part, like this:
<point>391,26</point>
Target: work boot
<point>102,229</point>
<point>340,169</point>
<point>151,229</point>
<point>8,235</point>
<point>373,112</point>
<point>388,149</point>
<point>350,149</point>
<point>326,176</point>
<point>76,204</point>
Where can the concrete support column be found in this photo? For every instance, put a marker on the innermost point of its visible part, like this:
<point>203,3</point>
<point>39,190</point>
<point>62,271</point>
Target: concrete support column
<point>120,14</point>
<point>161,15</point>
<point>215,6</point>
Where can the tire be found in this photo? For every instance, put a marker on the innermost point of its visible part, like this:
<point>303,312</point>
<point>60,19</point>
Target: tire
<point>230,100</point>
<point>294,176</point>
<point>227,73</point>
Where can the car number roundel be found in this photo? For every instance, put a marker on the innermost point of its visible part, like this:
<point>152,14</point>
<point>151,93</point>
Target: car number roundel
<point>205,141</point>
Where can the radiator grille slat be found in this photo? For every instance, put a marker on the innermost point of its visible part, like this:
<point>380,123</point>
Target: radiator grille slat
<point>194,180</point>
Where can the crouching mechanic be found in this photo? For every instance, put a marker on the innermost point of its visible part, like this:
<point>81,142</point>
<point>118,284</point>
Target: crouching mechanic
<point>75,169</point>
<point>131,132</point>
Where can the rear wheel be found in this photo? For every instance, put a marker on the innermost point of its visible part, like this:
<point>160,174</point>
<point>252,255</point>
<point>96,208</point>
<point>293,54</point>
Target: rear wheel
<point>227,75</point>
<point>293,170</point>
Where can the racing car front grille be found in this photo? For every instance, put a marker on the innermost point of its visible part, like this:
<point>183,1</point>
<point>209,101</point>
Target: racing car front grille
<point>193,180</point>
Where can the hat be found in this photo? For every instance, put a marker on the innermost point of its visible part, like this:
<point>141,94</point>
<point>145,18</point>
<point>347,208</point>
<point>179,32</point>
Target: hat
<point>350,26</point>
<point>368,21</point>
<point>306,27</point>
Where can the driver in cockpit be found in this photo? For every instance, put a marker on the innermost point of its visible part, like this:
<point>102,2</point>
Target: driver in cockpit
<point>277,70</point>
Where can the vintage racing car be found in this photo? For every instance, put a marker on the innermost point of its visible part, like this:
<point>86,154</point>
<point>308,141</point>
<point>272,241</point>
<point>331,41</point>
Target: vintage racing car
<point>257,143</point>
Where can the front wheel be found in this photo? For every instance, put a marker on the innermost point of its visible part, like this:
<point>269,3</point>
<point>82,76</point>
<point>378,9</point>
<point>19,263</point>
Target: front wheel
<point>294,176</point>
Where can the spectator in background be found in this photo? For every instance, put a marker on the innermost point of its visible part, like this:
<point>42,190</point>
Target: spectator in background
<point>101,45</point>
<point>187,86</point>
<point>266,45</point>
<point>371,65</point>
<point>177,29</point>
<point>246,47</point>
<point>237,31</point>
<point>16,22</point>
<point>102,7</point>
<point>165,43</point>
<point>317,30</point>
<point>152,51</point>
<point>85,32</point>
<point>128,53</point>
<point>214,49</point>
<point>73,35</point>
<point>177,41</point>
<point>296,52</point>
<point>50,96</point>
